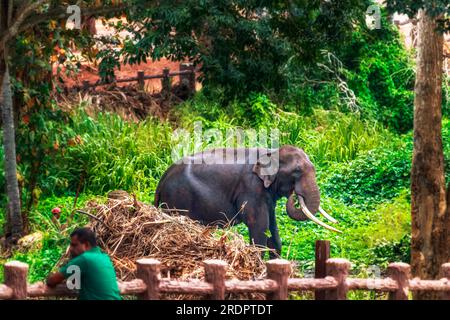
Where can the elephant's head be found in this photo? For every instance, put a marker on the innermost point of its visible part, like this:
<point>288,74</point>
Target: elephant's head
<point>295,178</point>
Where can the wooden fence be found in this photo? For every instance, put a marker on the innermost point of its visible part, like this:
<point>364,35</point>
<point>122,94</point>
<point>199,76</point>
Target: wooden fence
<point>333,286</point>
<point>186,74</point>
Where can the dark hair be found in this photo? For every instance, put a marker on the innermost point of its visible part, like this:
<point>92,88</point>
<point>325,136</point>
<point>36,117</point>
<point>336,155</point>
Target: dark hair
<point>85,235</point>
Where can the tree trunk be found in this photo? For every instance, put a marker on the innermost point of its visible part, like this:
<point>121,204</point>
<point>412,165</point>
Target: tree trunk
<point>15,224</point>
<point>428,198</point>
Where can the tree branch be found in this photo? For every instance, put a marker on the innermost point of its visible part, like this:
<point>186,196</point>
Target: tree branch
<point>60,13</point>
<point>10,12</point>
<point>23,12</point>
<point>24,20</point>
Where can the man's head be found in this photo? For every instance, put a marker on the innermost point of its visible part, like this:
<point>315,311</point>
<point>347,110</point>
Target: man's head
<point>81,240</point>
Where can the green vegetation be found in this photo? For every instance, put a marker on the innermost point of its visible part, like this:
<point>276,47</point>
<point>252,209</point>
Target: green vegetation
<point>382,76</point>
<point>43,255</point>
<point>362,171</point>
<point>347,104</point>
<point>377,175</point>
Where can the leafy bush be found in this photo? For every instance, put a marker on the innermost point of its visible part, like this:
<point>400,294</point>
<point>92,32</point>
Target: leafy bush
<point>259,109</point>
<point>381,74</point>
<point>42,257</point>
<point>373,75</point>
<point>392,251</point>
<point>311,88</point>
<point>389,222</point>
<point>41,262</point>
<point>363,230</point>
<point>377,175</point>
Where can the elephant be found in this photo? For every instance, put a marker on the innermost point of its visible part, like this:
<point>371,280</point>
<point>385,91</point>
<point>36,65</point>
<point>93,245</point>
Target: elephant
<point>226,186</point>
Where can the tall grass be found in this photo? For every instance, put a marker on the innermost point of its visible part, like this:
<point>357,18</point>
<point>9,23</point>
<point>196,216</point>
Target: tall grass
<point>332,136</point>
<point>112,154</point>
<point>115,154</point>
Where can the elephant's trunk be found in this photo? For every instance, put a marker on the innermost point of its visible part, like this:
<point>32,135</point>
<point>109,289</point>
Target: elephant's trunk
<point>292,211</point>
<point>307,188</point>
<point>309,205</point>
<point>312,203</point>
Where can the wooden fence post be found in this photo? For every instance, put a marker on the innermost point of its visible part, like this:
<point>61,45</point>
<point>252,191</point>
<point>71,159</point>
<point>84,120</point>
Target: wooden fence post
<point>279,271</point>
<point>401,273</point>
<point>141,80</point>
<point>148,270</point>
<point>338,269</point>
<point>215,271</point>
<point>165,84</point>
<point>15,273</point>
<point>188,79</point>
<point>322,255</point>
<point>445,271</point>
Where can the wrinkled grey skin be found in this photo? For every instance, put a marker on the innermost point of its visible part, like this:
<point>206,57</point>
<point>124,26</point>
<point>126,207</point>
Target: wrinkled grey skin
<point>217,193</point>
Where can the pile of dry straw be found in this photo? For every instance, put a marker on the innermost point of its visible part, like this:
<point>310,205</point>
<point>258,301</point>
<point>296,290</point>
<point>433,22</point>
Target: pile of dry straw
<point>128,230</point>
<point>129,102</point>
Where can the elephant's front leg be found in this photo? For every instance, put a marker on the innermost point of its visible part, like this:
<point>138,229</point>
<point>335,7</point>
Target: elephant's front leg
<point>274,242</point>
<point>257,220</point>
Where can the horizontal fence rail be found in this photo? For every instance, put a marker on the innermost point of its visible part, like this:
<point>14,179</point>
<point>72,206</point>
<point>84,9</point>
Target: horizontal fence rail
<point>186,73</point>
<point>149,285</point>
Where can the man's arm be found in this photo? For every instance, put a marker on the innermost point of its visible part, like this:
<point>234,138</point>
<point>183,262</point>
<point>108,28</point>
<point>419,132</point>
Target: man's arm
<point>58,277</point>
<point>54,279</point>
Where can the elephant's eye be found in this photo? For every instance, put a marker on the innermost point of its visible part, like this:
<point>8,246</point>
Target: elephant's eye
<point>296,173</point>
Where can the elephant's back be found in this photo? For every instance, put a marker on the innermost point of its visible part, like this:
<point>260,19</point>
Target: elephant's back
<point>220,171</point>
<point>219,166</point>
<point>228,156</point>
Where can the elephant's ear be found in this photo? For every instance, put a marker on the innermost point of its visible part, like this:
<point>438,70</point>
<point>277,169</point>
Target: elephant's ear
<point>264,169</point>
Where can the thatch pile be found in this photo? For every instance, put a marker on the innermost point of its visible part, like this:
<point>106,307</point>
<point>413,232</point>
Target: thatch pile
<point>128,230</point>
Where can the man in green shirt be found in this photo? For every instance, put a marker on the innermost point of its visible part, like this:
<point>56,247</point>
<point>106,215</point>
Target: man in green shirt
<point>90,270</point>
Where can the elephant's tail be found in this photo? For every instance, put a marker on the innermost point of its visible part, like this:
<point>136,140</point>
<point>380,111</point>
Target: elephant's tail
<point>157,195</point>
<point>159,187</point>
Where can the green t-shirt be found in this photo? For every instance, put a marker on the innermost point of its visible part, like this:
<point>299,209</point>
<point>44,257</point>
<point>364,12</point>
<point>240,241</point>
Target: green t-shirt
<point>97,275</point>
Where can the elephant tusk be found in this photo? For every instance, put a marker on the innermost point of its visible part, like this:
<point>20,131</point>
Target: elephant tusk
<point>313,218</point>
<point>326,215</point>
